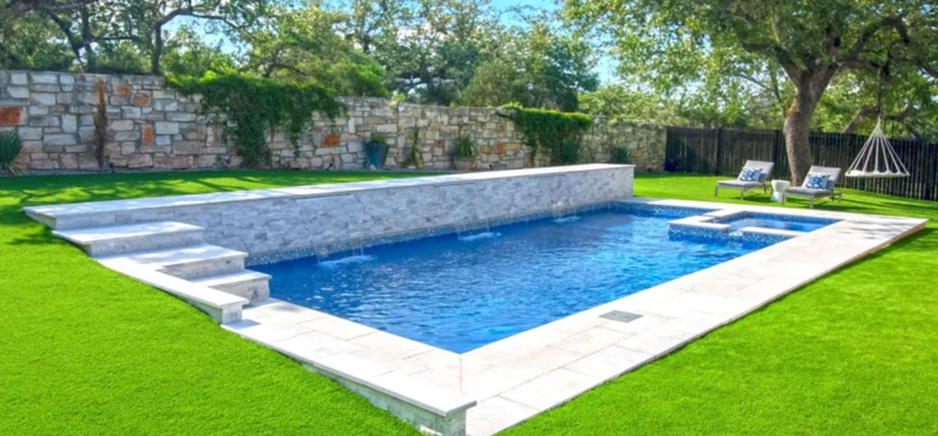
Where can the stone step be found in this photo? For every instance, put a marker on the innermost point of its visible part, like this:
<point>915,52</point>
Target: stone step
<point>197,261</point>
<point>248,284</point>
<point>106,241</point>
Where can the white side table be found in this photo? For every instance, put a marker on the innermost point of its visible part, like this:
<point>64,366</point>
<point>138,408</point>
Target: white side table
<point>777,187</point>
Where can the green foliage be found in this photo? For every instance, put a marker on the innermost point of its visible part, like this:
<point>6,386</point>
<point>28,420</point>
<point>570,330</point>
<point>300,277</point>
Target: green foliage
<point>620,155</point>
<point>414,158</point>
<point>570,152</point>
<point>465,147</point>
<point>379,139</point>
<point>548,130</point>
<point>10,148</point>
<point>29,43</point>
<point>536,68</point>
<point>301,45</point>
<point>188,56</point>
<point>254,107</point>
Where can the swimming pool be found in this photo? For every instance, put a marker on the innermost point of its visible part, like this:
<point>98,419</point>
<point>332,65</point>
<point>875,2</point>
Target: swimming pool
<point>460,292</point>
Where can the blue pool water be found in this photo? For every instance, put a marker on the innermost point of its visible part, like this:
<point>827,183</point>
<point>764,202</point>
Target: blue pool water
<point>780,222</point>
<point>460,293</point>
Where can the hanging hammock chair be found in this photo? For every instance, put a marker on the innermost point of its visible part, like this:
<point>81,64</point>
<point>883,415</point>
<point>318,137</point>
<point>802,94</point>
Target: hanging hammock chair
<point>877,158</point>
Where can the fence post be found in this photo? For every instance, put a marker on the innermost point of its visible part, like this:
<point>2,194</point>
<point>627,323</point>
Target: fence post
<point>717,167</point>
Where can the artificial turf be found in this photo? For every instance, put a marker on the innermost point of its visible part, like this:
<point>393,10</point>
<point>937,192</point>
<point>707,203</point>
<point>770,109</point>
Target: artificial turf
<point>84,350</point>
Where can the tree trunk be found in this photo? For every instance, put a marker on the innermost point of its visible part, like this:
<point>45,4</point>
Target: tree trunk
<point>157,51</point>
<point>798,134</point>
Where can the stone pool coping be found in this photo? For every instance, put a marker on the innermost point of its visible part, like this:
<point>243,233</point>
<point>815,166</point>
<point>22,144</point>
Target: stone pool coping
<point>503,383</point>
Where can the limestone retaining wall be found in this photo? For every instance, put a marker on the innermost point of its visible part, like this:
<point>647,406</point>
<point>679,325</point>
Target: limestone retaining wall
<point>154,127</point>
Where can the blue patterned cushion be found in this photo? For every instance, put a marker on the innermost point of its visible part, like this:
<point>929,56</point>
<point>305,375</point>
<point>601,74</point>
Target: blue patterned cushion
<point>750,175</point>
<point>816,181</point>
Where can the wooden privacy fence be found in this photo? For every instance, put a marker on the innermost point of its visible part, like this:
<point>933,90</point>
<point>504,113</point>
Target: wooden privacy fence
<point>725,151</point>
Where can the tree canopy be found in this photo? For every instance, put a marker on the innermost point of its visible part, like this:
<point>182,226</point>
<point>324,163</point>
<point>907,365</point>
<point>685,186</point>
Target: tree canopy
<point>815,43</point>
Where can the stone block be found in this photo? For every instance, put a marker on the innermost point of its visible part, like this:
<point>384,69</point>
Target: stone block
<point>173,162</point>
<point>331,140</point>
<point>140,161</point>
<point>164,140</point>
<point>167,128</point>
<point>116,100</point>
<point>67,79</point>
<point>76,148</point>
<point>46,88</point>
<point>18,79</point>
<point>12,116</point>
<point>126,136</point>
<point>131,112</point>
<point>42,99</point>
<point>206,160</point>
<point>60,139</point>
<point>180,116</point>
<point>141,100</point>
<point>21,92</point>
<point>121,125</point>
<point>148,137</point>
<point>69,123</point>
<point>165,105</point>
<point>186,147</point>
<point>44,78</point>
<point>30,133</point>
<point>123,90</point>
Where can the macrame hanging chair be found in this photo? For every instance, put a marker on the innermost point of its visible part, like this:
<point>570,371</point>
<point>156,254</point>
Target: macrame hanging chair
<point>877,158</point>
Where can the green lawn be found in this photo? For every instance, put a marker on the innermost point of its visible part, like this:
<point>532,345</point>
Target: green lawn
<point>84,350</point>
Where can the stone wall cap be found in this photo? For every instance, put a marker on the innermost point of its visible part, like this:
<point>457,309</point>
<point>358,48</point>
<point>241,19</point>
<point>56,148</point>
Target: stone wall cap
<point>50,214</point>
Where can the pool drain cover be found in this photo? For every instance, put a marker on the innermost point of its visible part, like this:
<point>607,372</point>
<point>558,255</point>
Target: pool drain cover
<point>618,315</point>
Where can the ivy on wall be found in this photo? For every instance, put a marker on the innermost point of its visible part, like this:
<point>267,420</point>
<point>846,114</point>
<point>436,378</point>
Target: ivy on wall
<point>254,107</point>
<point>553,132</point>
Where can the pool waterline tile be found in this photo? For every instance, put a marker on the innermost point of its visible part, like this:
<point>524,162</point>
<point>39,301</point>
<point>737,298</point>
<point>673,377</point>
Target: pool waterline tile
<point>515,378</point>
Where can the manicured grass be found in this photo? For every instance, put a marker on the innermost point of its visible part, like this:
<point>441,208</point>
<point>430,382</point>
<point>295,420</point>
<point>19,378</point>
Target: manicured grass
<point>84,350</point>
<point>87,351</point>
<point>855,353</point>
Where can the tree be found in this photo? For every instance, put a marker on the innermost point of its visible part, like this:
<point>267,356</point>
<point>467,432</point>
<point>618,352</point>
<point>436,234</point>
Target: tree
<point>812,41</point>
<point>535,68</point>
<point>302,45</point>
<point>186,55</point>
<point>429,48</point>
<point>146,19</point>
<point>27,42</point>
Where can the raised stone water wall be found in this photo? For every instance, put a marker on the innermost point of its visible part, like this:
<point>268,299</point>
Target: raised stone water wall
<point>153,127</point>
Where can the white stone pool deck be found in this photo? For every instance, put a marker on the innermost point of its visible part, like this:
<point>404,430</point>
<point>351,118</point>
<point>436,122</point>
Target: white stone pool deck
<point>506,382</point>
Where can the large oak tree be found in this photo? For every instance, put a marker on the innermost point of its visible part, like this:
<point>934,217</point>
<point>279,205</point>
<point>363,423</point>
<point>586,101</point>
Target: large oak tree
<point>812,41</point>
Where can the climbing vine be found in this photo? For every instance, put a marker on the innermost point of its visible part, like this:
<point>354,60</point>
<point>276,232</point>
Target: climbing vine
<point>554,132</point>
<point>255,107</point>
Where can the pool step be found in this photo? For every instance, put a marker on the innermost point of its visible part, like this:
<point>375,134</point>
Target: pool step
<point>247,284</point>
<point>196,261</point>
<point>106,241</point>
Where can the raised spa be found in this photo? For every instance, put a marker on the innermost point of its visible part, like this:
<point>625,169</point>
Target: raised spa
<point>462,291</point>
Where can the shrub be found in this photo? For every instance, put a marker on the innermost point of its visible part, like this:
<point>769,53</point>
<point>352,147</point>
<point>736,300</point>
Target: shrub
<point>570,152</point>
<point>465,148</point>
<point>414,158</point>
<point>620,155</point>
<point>255,107</point>
<point>10,148</point>
<point>379,139</point>
<point>548,130</point>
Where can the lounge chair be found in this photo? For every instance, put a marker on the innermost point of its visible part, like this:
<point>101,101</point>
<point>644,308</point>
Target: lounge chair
<point>813,193</point>
<point>743,186</point>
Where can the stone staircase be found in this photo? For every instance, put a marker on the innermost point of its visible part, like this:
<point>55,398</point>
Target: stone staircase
<point>175,249</point>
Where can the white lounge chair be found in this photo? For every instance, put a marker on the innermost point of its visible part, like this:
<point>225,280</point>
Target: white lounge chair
<point>813,194</point>
<point>743,186</point>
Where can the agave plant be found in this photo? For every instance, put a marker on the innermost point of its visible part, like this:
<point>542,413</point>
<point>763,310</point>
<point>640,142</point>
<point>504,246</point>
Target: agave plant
<point>10,148</point>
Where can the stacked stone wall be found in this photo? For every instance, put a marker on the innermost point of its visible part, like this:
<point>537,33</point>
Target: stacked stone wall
<point>153,127</point>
